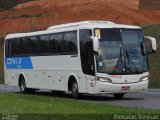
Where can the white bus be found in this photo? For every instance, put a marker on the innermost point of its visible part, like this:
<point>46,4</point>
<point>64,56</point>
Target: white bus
<point>92,57</point>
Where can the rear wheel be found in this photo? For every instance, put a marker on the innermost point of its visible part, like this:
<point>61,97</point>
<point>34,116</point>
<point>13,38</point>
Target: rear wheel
<point>23,87</point>
<point>119,95</point>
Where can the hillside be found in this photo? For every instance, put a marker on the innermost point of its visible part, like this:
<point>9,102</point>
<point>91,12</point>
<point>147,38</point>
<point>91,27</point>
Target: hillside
<point>39,14</point>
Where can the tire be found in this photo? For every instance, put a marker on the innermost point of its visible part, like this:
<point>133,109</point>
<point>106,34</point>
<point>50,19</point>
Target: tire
<point>75,93</point>
<point>118,95</point>
<point>23,87</point>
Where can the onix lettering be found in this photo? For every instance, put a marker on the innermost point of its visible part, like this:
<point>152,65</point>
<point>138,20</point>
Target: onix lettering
<point>15,61</point>
<point>18,63</point>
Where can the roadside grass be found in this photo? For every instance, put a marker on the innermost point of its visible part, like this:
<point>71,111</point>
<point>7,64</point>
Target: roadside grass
<point>35,107</point>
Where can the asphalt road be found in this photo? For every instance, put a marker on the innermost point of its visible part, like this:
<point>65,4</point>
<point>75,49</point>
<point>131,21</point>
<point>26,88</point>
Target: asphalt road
<point>149,100</point>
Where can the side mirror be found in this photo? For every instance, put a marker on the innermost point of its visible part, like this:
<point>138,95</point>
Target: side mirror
<point>95,43</point>
<point>151,43</point>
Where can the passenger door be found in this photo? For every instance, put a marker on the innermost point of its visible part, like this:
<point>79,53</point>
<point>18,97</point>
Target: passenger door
<point>87,59</point>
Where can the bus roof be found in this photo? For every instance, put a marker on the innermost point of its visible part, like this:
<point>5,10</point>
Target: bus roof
<point>78,24</point>
<point>83,24</point>
<point>93,24</point>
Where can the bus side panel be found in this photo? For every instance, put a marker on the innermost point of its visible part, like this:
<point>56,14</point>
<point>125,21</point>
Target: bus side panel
<point>11,77</point>
<point>53,72</point>
<point>48,72</point>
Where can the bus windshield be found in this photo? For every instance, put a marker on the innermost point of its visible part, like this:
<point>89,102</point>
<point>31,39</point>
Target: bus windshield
<point>122,51</point>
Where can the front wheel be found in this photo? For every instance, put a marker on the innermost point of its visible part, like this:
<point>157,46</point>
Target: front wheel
<point>75,93</point>
<point>119,95</point>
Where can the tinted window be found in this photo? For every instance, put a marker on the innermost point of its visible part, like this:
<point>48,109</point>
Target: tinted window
<point>8,47</point>
<point>32,48</point>
<point>70,42</point>
<point>22,47</point>
<point>25,46</point>
<point>86,50</point>
<point>16,43</point>
<point>13,47</point>
<point>56,43</point>
<point>43,44</point>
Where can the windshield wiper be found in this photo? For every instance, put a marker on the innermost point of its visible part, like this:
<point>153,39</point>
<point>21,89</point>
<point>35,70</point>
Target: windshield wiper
<point>121,65</point>
<point>129,64</point>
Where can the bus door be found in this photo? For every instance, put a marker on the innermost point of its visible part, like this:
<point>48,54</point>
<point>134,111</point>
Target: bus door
<point>90,68</point>
<point>90,84</point>
<point>87,58</point>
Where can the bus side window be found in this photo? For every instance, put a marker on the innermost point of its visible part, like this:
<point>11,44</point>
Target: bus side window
<point>86,51</point>
<point>16,47</point>
<point>21,47</point>
<point>7,48</point>
<point>56,43</point>
<point>43,44</point>
<point>32,45</point>
<point>70,42</point>
<point>26,46</point>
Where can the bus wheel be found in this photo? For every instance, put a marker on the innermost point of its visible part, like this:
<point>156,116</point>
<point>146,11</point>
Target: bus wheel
<point>22,85</point>
<point>119,95</point>
<point>75,93</point>
<point>23,88</point>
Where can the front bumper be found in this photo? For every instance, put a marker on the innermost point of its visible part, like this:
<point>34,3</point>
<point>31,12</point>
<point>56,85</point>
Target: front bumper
<point>104,87</point>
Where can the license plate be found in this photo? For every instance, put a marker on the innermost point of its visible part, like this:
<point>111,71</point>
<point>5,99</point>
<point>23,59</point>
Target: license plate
<point>125,88</point>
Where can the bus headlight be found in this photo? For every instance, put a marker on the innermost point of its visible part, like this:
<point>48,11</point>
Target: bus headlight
<point>144,79</point>
<point>104,79</point>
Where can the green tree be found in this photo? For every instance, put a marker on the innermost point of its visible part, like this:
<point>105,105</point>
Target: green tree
<point>6,4</point>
